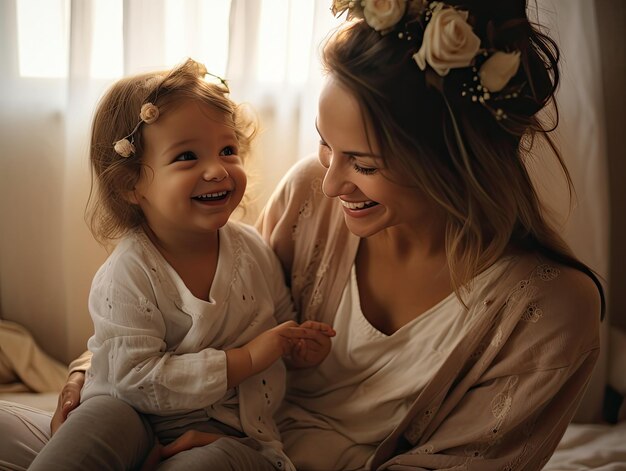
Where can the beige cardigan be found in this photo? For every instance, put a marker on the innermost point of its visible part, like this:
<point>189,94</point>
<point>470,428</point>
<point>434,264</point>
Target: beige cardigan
<point>506,393</point>
<point>504,396</point>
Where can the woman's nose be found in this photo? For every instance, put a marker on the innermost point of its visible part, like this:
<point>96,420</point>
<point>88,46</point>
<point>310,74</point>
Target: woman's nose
<point>336,183</point>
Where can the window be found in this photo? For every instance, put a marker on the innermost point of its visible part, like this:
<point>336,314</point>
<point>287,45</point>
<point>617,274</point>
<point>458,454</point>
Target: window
<point>43,36</point>
<point>285,35</point>
<point>191,28</point>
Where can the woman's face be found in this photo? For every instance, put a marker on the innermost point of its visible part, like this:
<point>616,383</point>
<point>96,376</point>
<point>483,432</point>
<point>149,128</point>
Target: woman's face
<point>372,198</point>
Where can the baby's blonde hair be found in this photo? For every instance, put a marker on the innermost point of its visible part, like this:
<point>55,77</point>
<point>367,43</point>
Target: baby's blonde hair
<point>109,213</point>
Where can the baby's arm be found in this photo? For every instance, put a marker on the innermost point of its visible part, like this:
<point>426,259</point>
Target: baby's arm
<point>262,351</point>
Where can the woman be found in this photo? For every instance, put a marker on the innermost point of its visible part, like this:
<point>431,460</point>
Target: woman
<point>466,329</point>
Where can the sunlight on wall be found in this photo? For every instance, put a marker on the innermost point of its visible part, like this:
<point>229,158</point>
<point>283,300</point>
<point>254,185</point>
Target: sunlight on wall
<point>107,59</point>
<point>43,35</point>
<point>284,40</point>
<point>198,29</point>
<point>194,28</point>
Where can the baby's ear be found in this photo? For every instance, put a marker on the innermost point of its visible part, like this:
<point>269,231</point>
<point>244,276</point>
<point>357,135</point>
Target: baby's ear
<point>131,196</point>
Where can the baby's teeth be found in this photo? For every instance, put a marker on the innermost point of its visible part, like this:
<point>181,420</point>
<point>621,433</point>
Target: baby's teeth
<point>213,195</point>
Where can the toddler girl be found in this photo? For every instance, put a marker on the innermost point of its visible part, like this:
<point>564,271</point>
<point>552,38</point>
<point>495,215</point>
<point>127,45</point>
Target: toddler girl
<point>191,312</point>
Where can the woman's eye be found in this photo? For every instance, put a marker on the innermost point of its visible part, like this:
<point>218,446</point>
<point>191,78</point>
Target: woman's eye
<point>364,170</point>
<point>186,156</point>
<point>228,150</point>
<point>360,169</point>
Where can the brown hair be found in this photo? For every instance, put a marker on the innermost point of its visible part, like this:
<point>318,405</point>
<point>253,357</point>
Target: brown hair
<point>455,150</point>
<point>109,213</point>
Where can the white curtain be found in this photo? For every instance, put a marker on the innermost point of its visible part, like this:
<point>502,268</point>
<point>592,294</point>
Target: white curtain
<point>582,141</point>
<point>269,51</point>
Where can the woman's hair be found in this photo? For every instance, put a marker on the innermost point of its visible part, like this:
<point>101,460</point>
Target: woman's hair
<point>461,152</point>
<point>109,213</point>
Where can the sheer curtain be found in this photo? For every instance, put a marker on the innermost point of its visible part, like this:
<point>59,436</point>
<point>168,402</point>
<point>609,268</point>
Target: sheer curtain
<point>269,51</point>
<point>582,141</point>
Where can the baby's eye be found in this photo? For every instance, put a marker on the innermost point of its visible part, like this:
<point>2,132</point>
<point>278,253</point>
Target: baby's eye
<point>186,156</point>
<point>228,150</point>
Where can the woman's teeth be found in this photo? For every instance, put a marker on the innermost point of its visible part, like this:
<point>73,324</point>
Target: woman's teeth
<point>358,205</point>
<point>211,196</point>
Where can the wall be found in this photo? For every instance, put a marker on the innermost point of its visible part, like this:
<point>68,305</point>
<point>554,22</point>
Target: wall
<point>611,16</point>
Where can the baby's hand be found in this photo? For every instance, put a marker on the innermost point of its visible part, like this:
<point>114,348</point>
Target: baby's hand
<point>311,349</point>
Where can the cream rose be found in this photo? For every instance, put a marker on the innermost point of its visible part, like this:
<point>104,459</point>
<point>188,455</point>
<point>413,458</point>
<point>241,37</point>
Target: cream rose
<point>149,113</point>
<point>124,148</point>
<point>383,14</point>
<point>339,6</point>
<point>201,70</point>
<point>496,72</point>
<point>449,41</point>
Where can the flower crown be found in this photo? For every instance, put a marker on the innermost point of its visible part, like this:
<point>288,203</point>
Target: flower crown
<point>448,42</point>
<point>149,113</point>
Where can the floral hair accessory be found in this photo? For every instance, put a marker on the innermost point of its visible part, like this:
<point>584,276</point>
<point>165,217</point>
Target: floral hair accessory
<point>448,41</point>
<point>496,72</point>
<point>148,114</point>
<point>382,15</point>
<point>124,147</point>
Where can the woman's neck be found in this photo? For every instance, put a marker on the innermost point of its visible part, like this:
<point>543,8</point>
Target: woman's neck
<point>410,242</point>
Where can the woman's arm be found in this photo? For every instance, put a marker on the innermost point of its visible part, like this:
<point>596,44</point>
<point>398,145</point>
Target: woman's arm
<point>69,398</point>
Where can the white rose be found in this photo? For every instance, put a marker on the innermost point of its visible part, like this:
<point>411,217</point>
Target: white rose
<point>149,113</point>
<point>449,41</point>
<point>496,72</point>
<point>383,14</point>
<point>339,6</point>
<point>201,70</point>
<point>124,148</point>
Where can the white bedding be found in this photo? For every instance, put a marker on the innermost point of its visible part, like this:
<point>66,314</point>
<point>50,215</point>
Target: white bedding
<point>583,447</point>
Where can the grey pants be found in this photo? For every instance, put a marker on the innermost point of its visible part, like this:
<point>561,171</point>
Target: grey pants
<point>107,434</point>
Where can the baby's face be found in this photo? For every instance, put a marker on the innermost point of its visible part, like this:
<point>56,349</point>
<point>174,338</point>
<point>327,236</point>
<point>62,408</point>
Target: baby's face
<point>193,176</point>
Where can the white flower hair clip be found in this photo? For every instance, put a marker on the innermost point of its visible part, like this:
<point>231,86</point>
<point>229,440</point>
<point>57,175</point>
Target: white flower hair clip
<point>448,42</point>
<point>148,114</point>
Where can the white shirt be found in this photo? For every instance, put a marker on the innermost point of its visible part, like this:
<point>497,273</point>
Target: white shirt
<point>161,349</point>
<point>360,392</point>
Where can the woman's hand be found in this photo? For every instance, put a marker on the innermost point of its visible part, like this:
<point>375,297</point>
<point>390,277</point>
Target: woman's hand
<point>69,399</point>
<point>311,350</point>
<point>188,440</point>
